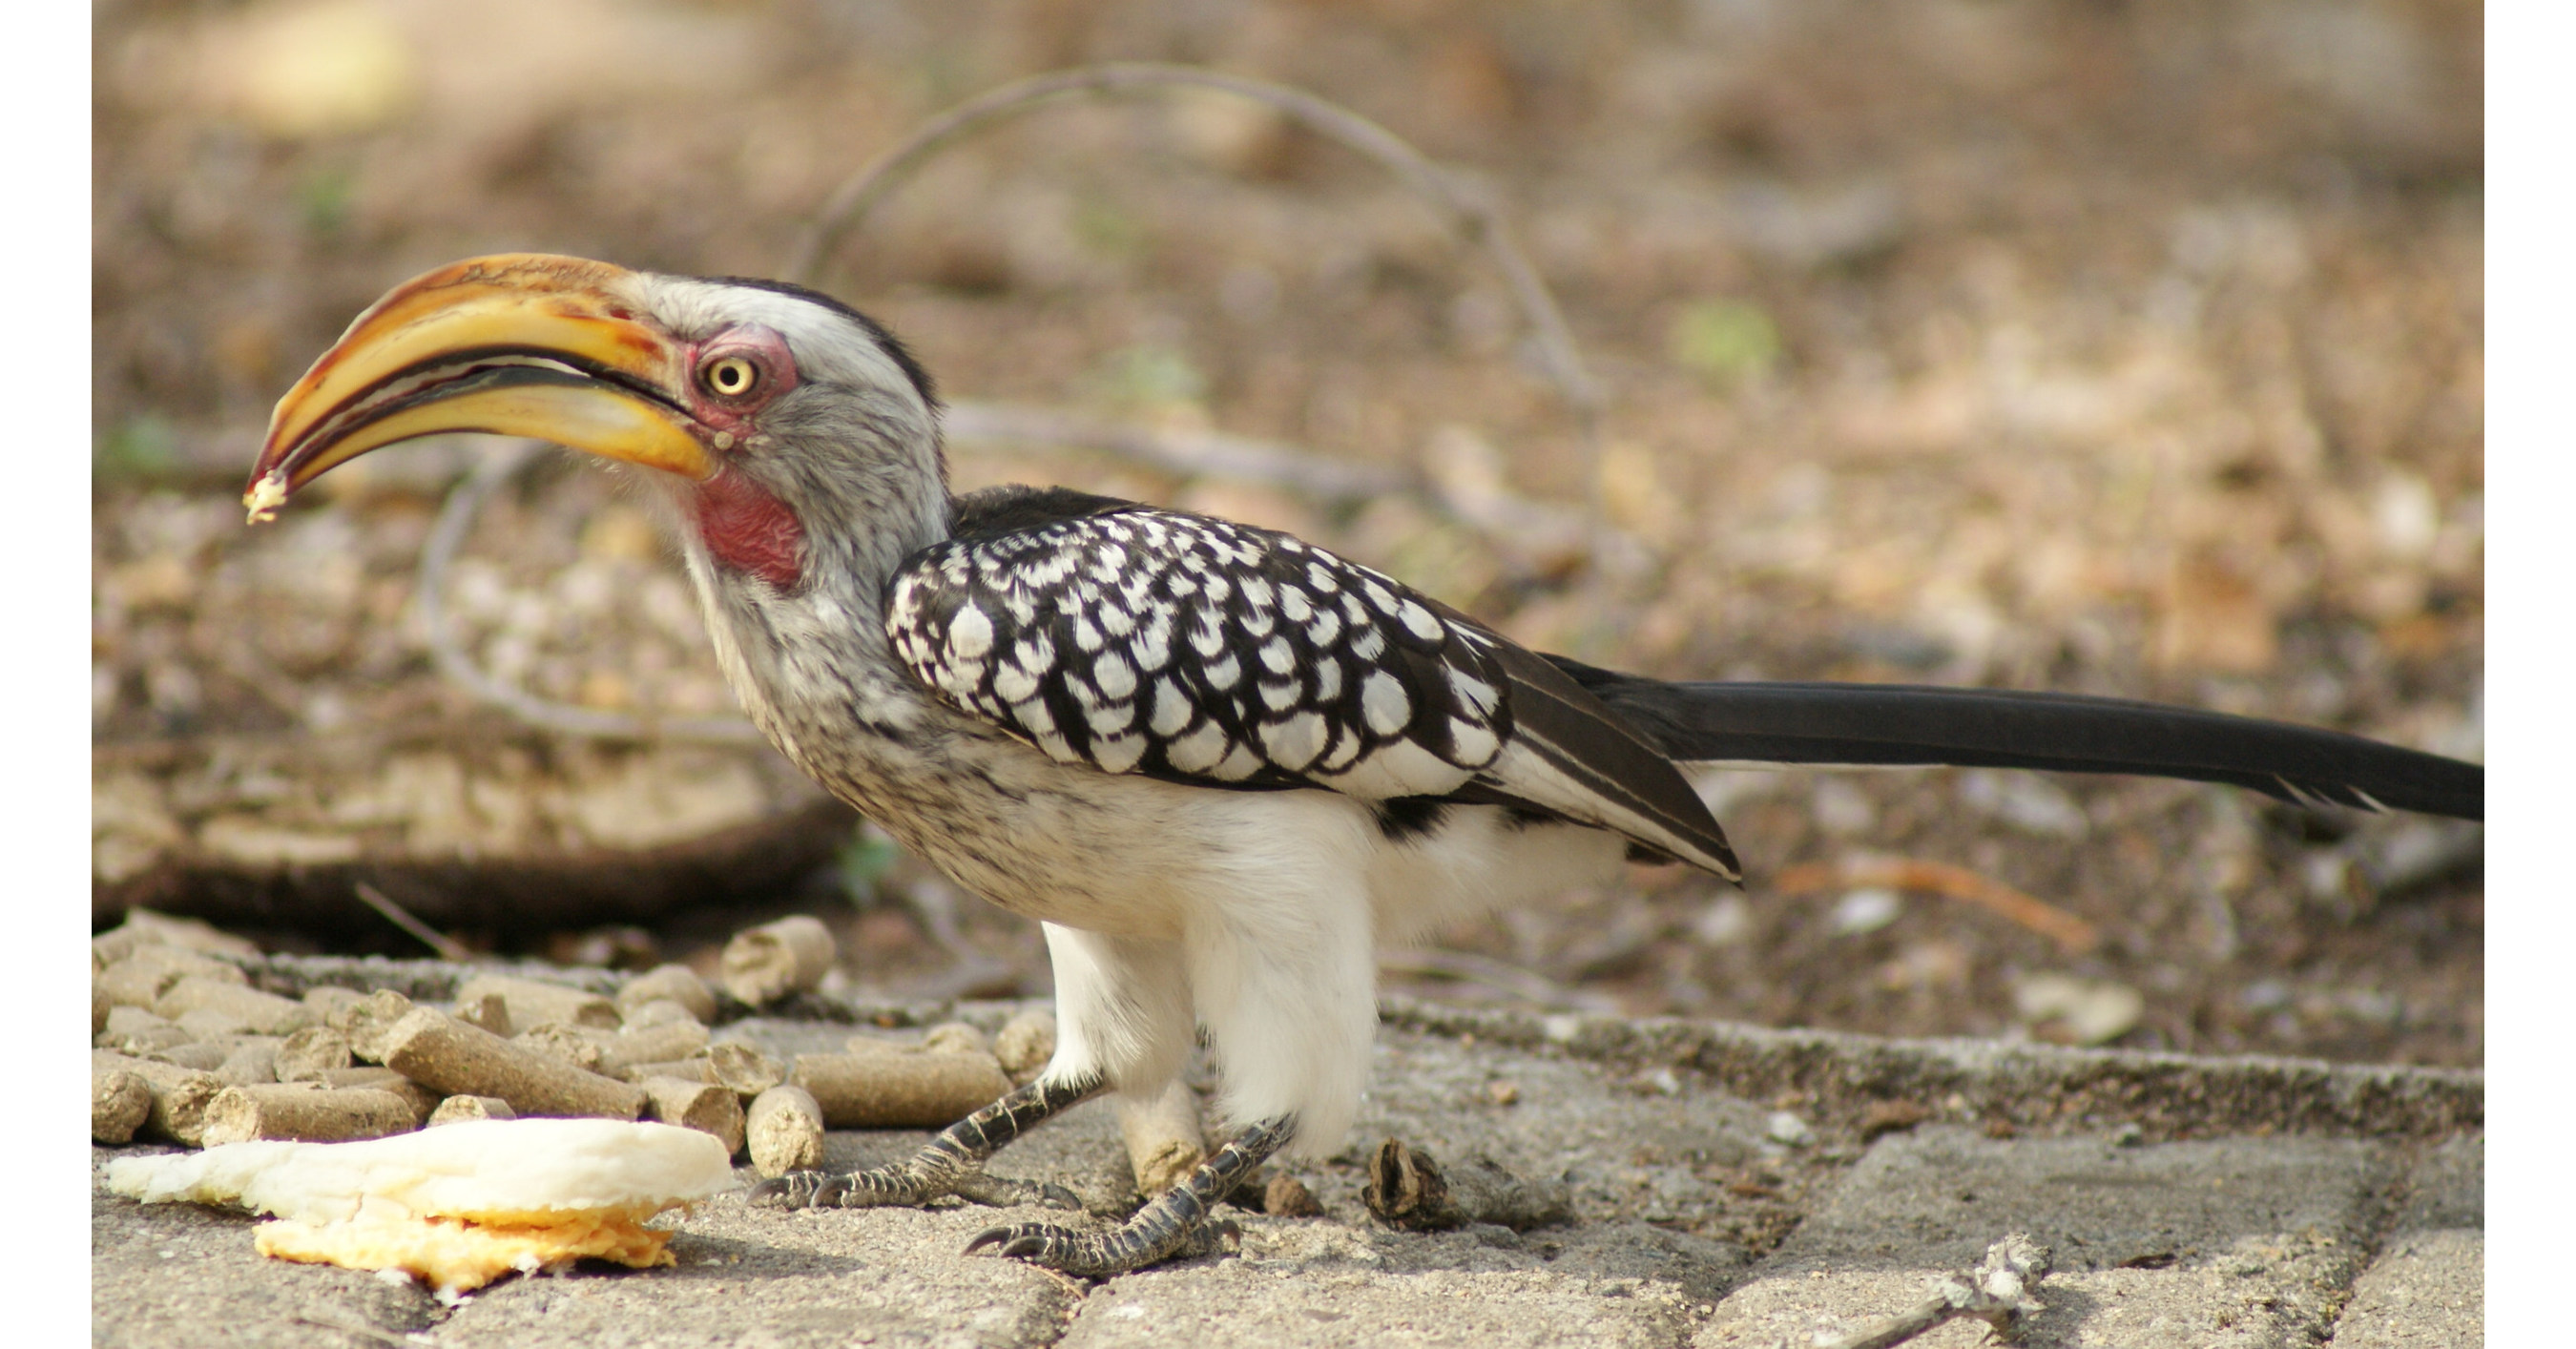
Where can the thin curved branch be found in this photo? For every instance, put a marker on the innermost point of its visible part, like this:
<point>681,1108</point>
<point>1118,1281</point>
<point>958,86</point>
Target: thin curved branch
<point>1468,211</point>
<point>455,521</point>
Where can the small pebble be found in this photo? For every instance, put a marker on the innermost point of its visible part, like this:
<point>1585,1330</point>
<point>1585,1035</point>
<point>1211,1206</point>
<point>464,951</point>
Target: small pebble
<point>1287,1197</point>
<point>1866,910</point>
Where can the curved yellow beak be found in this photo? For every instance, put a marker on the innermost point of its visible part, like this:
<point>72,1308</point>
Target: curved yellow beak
<point>518,344</point>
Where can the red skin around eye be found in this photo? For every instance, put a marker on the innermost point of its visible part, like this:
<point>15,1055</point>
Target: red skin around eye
<point>746,528</point>
<point>767,351</point>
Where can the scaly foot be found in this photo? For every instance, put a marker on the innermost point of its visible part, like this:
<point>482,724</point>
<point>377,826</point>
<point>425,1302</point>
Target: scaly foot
<point>909,1184</point>
<point>1099,1254</point>
<point>951,1164</point>
<point>1175,1223</point>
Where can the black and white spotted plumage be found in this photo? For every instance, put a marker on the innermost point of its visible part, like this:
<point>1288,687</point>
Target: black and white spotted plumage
<point>1196,650</point>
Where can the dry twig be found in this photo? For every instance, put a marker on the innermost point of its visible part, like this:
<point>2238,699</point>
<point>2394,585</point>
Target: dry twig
<point>1996,1292</point>
<point>446,946</point>
<point>2072,934</point>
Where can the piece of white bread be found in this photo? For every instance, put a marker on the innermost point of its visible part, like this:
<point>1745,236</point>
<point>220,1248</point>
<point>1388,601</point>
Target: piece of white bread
<point>458,1205</point>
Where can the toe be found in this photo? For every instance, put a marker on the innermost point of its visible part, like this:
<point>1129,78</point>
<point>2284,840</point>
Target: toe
<point>1032,1246</point>
<point>781,1191</point>
<point>991,1236</point>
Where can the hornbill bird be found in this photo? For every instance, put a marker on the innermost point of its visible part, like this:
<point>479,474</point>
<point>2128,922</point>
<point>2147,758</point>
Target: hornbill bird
<point>1219,765</point>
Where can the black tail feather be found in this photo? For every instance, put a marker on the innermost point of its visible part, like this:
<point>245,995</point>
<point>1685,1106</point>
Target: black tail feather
<point>1899,724</point>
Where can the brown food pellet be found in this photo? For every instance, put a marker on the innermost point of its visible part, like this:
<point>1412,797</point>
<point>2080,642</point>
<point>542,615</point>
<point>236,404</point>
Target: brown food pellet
<point>253,1061</point>
<point>1287,1197</point>
<point>203,1055</point>
<point>955,1037</point>
<point>899,1090</point>
<point>768,962</point>
<point>579,1046</point>
<point>369,1023</point>
<point>421,1098</point>
<point>179,1095</point>
<point>119,1102</point>
<point>743,1067</point>
<point>784,1130</point>
<point>534,1003</point>
<point>446,1055</point>
<point>135,1030</point>
<point>331,1004</point>
<point>255,1012</point>
<point>306,1113</point>
<point>677,983</point>
<point>686,1070</point>
<point>311,1052</point>
<point>489,1012</point>
<point>459,1109</point>
<point>1025,1044</point>
<point>658,1012</point>
<point>651,1044</point>
<point>708,1107</point>
<point>139,979</point>
<point>207,1024</point>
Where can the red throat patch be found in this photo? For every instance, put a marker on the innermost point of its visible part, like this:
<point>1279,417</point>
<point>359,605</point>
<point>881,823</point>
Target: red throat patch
<point>749,530</point>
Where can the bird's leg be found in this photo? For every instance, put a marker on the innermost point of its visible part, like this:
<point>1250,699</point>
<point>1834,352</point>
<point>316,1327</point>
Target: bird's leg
<point>951,1164</point>
<point>1162,1229</point>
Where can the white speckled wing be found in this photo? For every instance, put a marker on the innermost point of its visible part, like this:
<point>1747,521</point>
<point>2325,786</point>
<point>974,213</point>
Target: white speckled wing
<point>1145,641</point>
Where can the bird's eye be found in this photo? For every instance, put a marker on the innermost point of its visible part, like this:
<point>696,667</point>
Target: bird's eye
<point>731,376</point>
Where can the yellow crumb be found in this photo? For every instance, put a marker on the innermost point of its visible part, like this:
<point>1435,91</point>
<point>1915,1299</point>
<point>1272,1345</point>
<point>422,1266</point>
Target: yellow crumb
<point>455,1255</point>
<point>264,497</point>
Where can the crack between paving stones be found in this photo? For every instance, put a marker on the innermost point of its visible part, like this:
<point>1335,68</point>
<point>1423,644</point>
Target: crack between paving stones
<point>2387,1207</point>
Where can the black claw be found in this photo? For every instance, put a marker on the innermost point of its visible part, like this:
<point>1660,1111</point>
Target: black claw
<point>1022,1248</point>
<point>986,1238</point>
<point>777,1192</point>
<point>1057,1196</point>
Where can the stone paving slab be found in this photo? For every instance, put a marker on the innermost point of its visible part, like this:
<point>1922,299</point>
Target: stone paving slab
<point>1700,1217</point>
<point>2426,1291</point>
<point>2428,1287</point>
<point>2224,1242</point>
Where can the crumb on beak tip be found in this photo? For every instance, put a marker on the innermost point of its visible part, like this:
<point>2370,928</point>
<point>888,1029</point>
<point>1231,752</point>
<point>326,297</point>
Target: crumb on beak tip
<point>264,497</point>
